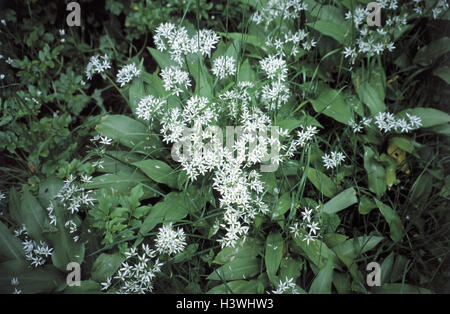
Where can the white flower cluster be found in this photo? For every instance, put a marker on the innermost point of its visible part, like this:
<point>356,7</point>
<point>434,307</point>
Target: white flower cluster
<point>224,66</point>
<point>15,284</point>
<point>308,227</point>
<point>178,43</point>
<point>136,273</point>
<point>97,64</point>
<point>374,42</point>
<point>286,287</point>
<point>72,198</point>
<point>291,43</point>
<point>276,10</point>
<point>442,6</point>
<point>175,79</point>
<point>35,253</point>
<point>170,241</point>
<point>276,93</point>
<point>333,160</point>
<point>387,122</point>
<point>148,107</point>
<point>127,73</point>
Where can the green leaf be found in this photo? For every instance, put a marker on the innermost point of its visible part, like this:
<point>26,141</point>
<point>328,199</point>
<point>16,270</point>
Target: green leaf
<point>239,268</point>
<point>236,287</point>
<point>371,88</point>
<point>282,206</point>
<point>342,283</point>
<point>126,131</point>
<point>332,29</point>
<point>122,182</point>
<point>10,246</point>
<point>430,53</point>
<point>172,209</point>
<point>443,72</point>
<point>323,280</point>
<point>202,78</point>
<point>366,205</point>
<point>375,172</point>
<point>105,266</point>
<point>394,221</point>
<point>430,116</point>
<point>33,216</point>
<point>65,249</point>
<point>250,247</point>
<point>355,247</point>
<point>273,255</point>
<point>341,201</point>
<point>332,103</point>
<point>322,182</point>
<point>45,279</point>
<point>163,59</point>
<point>158,171</point>
<point>246,72</point>
<point>316,251</point>
<point>290,268</point>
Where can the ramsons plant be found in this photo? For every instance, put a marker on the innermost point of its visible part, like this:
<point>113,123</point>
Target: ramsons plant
<point>279,155</point>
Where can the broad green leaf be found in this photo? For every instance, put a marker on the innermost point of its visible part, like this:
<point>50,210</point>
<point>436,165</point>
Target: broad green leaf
<point>186,254</point>
<point>322,182</point>
<point>443,72</point>
<point>238,268</point>
<point>323,280</point>
<point>430,53</point>
<point>371,88</point>
<point>282,206</point>
<point>106,265</point>
<point>158,171</point>
<point>44,279</point>
<point>163,59</point>
<point>403,143</point>
<point>341,201</point>
<point>10,246</point>
<point>65,249</point>
<point>316,251</point>
<point>375,172</point>
<point>332,103</point>
<point>386,268</point>
<point>128,132</point>
<point>290,268</point>
<point>430,116</point>
<point>355,247</point>
<point>173,208</point>
<point>366,205</point>
<point>202,78</point>
<point>246,72</point>
<point>236,287</point>
<point>332,29</point>
<point>250,247</point>
<point>394,221</point>
<point>33,216</point>
<point>273,254</point>
<point>342,283</point>
<point>123,182</point>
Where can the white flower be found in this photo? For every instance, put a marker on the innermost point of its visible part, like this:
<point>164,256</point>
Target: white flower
<point>274,67</point>
<point>2,196</point>
<point>224,66</point>
<point>148,107</point>
<point>14,281</point>
<point>170,241</point>
<point>127,73</point>
<point>174,79</point>
<point>97,64</point>
<point>333,159</point>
